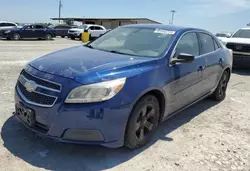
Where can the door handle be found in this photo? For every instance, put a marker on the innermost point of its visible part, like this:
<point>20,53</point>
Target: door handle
<point>201,68</point>
<point>221,61</point>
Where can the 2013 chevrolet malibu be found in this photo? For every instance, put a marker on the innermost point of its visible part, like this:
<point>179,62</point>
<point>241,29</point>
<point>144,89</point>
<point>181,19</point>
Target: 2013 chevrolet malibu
<point>115,90</point>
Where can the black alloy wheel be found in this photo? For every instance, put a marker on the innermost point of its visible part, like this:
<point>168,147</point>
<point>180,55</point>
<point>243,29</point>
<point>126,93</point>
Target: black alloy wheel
<point>143,122</point>
<point>220,92</point>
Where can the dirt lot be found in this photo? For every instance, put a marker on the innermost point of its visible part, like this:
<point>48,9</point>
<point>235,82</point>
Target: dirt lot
<point>207,136</point>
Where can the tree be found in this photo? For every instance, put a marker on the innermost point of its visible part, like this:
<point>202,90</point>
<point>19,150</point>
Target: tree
<point>69,22</point>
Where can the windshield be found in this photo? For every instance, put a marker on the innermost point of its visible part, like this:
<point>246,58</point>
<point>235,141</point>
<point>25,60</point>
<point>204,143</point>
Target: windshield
<point>242,34</point>
<point>82,27</point>
<point>145,42</point>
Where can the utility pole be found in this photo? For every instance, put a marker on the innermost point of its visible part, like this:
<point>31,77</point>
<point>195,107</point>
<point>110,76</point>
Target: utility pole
<point>173,12</point>
<point>60,7</point>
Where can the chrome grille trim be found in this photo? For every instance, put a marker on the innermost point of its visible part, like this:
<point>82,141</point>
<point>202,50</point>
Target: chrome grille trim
<point>46,81</point>
<point>22,80</point>
<point>33,103</point>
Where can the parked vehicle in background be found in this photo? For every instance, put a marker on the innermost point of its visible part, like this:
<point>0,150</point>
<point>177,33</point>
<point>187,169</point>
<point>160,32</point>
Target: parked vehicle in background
<point>4,25</point>
<point>30,31</point>
<point>62,30</point>
<point>223,35</point>
<point>94,31</point>
<point>240,44</point>
<point>115,90</point>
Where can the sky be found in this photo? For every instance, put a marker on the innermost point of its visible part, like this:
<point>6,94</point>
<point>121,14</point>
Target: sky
<point>212,15</point>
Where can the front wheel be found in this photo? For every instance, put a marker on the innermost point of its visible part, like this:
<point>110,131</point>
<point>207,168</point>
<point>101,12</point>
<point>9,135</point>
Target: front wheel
<point>16,36</point>
<point>220,92</point>
<point>62,36</point>
<point>143,122</point>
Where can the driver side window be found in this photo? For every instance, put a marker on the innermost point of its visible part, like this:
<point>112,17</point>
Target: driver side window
<point>188,44</point>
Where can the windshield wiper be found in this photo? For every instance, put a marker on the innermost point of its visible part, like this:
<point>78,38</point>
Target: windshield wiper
<point>114,51</point>
<point>89,46</point>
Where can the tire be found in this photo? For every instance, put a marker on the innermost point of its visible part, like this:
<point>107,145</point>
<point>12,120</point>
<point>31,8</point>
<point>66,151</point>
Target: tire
<point>143,122</point>
<point>16,36</point>
<point>48,37</point>
<point>80,38</point>
<point>72,38</point>
<point>220,92</point>
<point>62,36</point>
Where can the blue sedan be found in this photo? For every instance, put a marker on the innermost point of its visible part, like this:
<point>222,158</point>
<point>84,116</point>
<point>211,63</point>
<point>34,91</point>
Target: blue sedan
<point>117,89</point>
<point>31,31</point>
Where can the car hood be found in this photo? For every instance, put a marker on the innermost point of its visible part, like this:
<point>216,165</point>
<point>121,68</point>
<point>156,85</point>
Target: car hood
<point>86,65</point>
<point>76,29</point>
<point>237,40</point>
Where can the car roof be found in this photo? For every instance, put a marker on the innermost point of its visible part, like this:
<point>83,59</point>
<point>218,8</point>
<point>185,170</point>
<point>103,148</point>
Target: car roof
<point>7,22</point>
<point>92,25</point>
<point>165,27</point>
<point>246,28</point>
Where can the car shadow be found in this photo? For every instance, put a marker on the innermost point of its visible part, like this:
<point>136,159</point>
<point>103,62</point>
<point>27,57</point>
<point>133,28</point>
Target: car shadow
<point>23,40</point>
<point>47,154</point>
<point>241,71</point>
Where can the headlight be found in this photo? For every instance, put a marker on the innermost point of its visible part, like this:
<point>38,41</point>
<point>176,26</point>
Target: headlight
<point>8,31</point>
<point>95,92</point>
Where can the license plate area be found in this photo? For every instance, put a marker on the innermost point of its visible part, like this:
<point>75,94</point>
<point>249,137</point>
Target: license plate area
<point>26,114</point>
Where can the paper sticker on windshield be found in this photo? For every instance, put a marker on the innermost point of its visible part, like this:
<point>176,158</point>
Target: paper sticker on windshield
<point>166,32</point>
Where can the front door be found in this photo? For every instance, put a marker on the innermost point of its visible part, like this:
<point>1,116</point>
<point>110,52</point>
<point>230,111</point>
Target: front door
<point>187,78</point>
<point>29,32</point>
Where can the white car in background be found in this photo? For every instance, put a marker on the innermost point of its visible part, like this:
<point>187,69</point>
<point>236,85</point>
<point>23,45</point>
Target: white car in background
<point>239,43</point>
<point>94,31</point>
<point>221,36</point>
<point>5,25</point>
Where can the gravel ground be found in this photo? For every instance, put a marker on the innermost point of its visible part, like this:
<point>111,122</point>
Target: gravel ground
<point>207,136</point>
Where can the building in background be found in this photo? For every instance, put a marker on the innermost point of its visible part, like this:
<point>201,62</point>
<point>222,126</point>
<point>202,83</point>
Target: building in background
<point>110,23</point>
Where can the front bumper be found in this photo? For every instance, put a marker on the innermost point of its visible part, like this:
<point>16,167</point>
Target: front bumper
<point>74,35</point>
<point>241,60</point>
<point>98,123</point>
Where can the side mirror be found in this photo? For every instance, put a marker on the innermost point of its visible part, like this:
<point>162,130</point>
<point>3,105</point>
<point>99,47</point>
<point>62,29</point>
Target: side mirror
<point>183,58</point>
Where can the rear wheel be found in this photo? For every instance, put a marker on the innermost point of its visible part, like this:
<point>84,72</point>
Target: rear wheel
<point>142,123</point>
<point>16,36</point>
<point>72,38</point>
<point>220,92</point>
<point>62,36</point>
<point>48,37</point>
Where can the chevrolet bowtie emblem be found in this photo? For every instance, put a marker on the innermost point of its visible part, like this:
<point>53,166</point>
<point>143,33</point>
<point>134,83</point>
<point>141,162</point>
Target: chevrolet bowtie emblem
<point>30,86</point>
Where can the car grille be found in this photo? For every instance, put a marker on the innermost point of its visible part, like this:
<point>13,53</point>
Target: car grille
<point>34,97</point>
<point>71,31</point>
<point>238,47</point>
<point>41,81</point>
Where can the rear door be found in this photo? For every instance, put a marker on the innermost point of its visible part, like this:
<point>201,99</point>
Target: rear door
<point>39,31</point>
<point>212,52</point>
<point>187,83</point>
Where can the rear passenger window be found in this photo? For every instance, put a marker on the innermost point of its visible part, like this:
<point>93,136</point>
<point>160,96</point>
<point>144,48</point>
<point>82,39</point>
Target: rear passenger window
<point>207,43</point>
<point>10,24</point>
<point>39,27</point>
<point>188,44</point>
<point>216,46</point>
<point>98,28</point>
<point>2,24</point>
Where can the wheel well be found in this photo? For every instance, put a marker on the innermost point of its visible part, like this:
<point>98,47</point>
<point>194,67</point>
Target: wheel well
<point>228,70</point>
<point>161,99</point>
